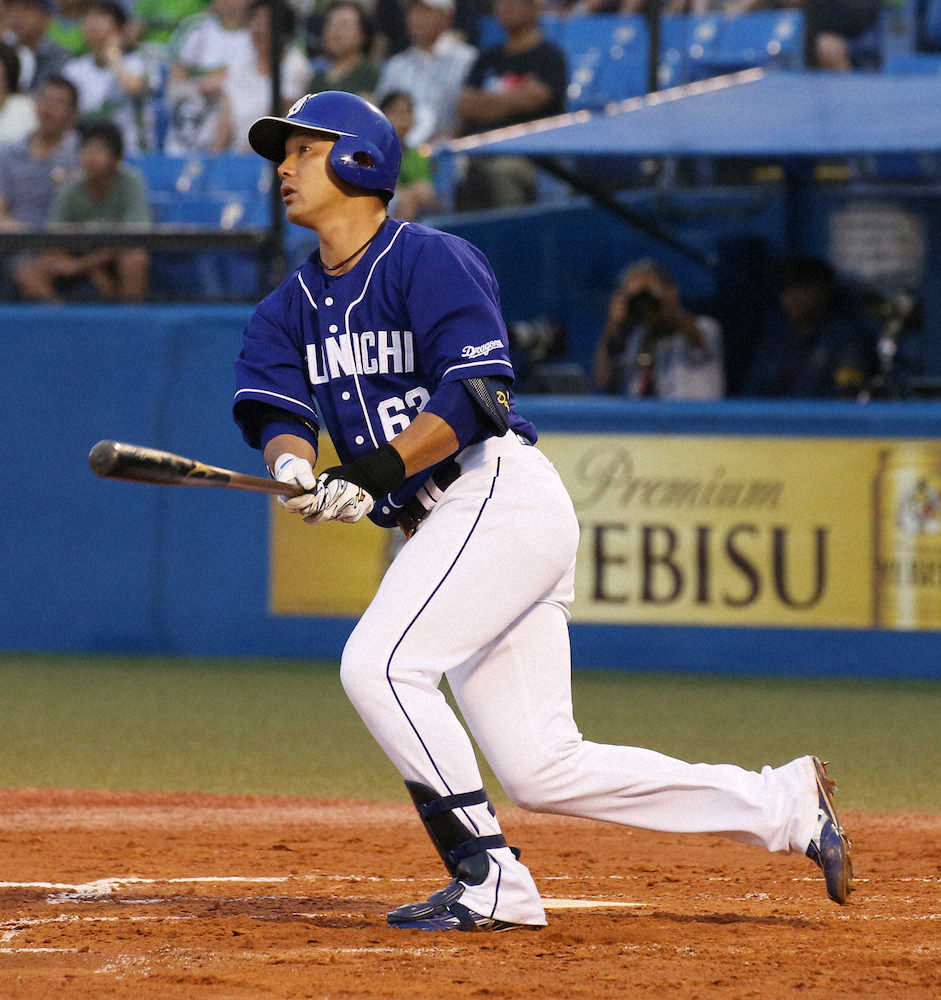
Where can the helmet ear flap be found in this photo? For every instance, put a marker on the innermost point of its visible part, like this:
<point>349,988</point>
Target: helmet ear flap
<point>356,161</point>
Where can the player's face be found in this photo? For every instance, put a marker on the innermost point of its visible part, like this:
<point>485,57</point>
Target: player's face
<point>308,187</point>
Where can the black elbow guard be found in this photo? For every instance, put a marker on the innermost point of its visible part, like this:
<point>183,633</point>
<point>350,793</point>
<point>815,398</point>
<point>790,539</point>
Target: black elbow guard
<point>491,395</point>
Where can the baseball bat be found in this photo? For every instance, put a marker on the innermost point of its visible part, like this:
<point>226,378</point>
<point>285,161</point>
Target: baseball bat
<point>117,460</point>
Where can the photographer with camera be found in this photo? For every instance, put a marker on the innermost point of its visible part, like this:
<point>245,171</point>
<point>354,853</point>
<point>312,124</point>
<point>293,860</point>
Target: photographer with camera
<point>652,346</point>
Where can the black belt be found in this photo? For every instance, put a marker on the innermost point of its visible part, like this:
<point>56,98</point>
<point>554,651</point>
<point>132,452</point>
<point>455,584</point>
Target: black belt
<point>429,493</point>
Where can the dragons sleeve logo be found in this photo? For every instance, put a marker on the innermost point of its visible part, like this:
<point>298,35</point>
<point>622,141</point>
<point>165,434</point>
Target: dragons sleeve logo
<point>470,351</point>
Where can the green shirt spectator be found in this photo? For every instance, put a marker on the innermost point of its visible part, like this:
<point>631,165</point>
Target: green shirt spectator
<point>415,167</point>
<point>361,79</point>
<point>66,27</point>
<point>414,192</point>
<point>125,201</point>
<point>107,193</point>
<point>347,39</point>
<point>154,21</point>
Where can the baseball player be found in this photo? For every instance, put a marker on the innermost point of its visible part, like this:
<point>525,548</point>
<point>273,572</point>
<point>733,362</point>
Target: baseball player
<point>390,338</point>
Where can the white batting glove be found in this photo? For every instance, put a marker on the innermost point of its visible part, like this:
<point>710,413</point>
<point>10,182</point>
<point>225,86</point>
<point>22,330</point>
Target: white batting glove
<point>340,500</point>
<point>289,468</point>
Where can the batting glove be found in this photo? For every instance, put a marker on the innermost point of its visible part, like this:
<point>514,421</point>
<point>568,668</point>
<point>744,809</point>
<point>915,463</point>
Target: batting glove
<point>340,500</point>
<point>289,468</point>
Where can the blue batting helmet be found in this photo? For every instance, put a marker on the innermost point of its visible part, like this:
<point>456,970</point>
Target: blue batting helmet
<point>366,153</point>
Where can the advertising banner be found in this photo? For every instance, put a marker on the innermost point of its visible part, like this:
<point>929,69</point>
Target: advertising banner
<point>700,530</point>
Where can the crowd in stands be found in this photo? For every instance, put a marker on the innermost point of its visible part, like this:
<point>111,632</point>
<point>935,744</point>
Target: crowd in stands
<point>187,76</point>
<point>85,83</point>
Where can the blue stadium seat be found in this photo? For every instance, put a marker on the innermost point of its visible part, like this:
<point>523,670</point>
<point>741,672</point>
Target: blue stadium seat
<point>728,44</point>
<point>246,172</point>
<point>210,274</point>
<point>623,73</point>
<point>171,173</point>
<point>674,40</point>
<point>765,38</point>
<point>702,45</point>
<point>607,59</point>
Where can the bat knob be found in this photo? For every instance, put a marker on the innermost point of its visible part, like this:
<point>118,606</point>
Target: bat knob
<point>103,458</point>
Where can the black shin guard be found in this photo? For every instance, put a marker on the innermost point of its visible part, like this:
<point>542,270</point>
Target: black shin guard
<point>464,853</point>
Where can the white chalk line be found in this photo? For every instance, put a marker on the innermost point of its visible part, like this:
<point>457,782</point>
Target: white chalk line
<point>10,928</point>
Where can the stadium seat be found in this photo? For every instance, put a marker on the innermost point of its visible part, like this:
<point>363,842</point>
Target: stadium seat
<point>702,48</point>
<point>171,173</point>
<point>674,35</point>
<point>728,44</point>
<point>245,172</point>
<point>607,59</point>
<point>768,38</point>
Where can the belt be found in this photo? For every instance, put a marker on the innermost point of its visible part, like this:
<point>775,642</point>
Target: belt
<point>429,493</point>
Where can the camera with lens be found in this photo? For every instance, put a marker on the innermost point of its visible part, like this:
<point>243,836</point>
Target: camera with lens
<point>642,307</point>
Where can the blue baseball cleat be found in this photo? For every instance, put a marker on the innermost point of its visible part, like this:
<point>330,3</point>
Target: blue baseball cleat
<point>830,847</point>
<point>443,912</point>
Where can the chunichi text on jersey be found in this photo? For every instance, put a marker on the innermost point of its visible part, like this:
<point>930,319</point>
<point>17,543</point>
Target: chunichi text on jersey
<point>379,352</point>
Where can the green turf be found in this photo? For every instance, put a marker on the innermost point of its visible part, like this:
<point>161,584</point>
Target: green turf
<point>285,728</point>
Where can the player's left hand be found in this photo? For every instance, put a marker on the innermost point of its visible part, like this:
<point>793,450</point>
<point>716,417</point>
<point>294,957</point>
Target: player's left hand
<point>339,500</point>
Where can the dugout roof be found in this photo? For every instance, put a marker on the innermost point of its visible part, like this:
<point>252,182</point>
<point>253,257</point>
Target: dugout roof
<point>752,113</point>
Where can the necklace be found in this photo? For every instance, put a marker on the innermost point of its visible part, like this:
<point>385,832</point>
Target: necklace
<point>336,267</point>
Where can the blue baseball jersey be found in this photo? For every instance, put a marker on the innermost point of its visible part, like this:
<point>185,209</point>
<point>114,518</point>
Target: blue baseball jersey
<point>362,353</point>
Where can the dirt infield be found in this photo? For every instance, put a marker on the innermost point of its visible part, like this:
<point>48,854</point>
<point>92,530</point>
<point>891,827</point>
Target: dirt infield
<point>112,894</point>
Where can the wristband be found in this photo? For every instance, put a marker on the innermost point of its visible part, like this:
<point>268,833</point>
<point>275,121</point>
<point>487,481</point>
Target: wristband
<point>378,472</point>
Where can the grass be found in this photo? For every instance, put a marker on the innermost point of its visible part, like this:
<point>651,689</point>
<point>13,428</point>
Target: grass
<point>284,727</point>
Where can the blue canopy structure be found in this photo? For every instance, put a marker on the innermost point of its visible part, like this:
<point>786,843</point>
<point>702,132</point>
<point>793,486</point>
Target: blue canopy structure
<point>752,113</point>
<point>781,116</point>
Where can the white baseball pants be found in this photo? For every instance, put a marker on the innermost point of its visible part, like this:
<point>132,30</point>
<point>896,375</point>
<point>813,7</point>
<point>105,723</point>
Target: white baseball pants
<point>481,593</point>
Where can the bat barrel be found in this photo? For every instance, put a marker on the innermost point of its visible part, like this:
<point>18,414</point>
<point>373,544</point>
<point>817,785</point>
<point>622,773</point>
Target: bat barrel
<point>103,458</point>
<point>117,460</point>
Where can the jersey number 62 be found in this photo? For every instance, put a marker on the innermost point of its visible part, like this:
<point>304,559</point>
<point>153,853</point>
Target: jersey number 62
<point>396,412</point>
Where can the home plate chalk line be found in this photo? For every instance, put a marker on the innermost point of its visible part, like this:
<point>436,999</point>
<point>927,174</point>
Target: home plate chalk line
<point>103,887</point>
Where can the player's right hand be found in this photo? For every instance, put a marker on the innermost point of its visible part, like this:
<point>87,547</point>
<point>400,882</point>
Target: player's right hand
<point>289,468</point>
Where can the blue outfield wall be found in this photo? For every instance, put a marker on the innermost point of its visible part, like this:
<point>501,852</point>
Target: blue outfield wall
<point>96,566</point>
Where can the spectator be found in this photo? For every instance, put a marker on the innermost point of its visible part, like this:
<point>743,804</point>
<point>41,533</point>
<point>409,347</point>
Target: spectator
<point>111,84</point>
<point>432,69</point>
<point>812,347</point>
<point>831,27</point>
<point>66,27</point>
<point>653,347</point>
<point>152,22</point>
<point>106,192</point>
<point>17,112</point>
<point>28,23</point>
<point>203,51</point>
<point>414,192</point>
<point>518,81</point>
<point>31,170</point>
<point>347,40</point>
<point>246,95</point>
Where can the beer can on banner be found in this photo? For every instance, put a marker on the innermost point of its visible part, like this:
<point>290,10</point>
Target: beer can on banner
<point>907,537</point>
